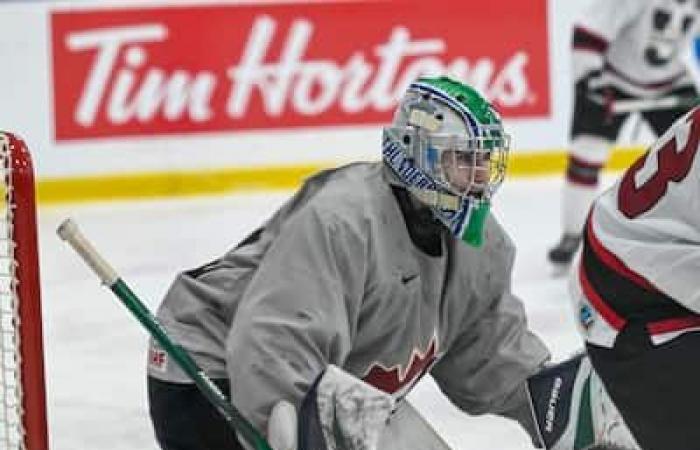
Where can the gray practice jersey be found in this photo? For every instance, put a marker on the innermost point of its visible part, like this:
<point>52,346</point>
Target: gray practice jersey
<point>639,44</point>
<point>334,277</point>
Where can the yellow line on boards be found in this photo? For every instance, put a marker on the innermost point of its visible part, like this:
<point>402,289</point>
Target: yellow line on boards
<point>537,164</point>
<point>169,184</point>
<point>220,181</point>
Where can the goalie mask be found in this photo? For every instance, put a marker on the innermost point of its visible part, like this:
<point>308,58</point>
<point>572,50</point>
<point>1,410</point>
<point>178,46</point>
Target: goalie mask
<point>448,147</point>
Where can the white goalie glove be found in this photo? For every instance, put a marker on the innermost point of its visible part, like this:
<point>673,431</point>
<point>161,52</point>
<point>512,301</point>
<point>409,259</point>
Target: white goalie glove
<point>341,411</point>
<point>573,411</point>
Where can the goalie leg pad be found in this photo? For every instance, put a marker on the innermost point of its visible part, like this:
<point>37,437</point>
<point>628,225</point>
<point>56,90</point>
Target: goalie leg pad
<point>408,429</point>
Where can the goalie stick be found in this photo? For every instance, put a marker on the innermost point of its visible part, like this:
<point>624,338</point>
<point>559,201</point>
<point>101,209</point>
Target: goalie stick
<point>69,232</point>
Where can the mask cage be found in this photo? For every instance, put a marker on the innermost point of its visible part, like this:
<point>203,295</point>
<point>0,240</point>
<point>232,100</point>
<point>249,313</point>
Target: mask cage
<point>460,164</point>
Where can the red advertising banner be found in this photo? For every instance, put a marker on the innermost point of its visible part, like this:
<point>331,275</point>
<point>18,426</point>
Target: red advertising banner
<point>181,69</point>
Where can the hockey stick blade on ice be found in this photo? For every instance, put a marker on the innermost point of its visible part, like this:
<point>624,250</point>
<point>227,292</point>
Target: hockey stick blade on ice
<point>69,232</point>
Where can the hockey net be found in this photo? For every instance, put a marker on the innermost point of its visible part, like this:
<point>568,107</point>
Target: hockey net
<point>22,391</point>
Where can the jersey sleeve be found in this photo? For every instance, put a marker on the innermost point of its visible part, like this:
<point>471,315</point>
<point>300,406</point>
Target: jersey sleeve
<point>485,369</point>
<point>594,30</point>
<point>297,315</point>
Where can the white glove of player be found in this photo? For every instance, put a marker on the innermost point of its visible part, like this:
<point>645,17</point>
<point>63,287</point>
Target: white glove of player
<point>343,412</point>
<point>339,411</point>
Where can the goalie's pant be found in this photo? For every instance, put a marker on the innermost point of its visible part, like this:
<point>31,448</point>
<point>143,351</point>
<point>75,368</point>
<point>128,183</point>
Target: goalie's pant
<point>183,419</point>
<point>656,388</point>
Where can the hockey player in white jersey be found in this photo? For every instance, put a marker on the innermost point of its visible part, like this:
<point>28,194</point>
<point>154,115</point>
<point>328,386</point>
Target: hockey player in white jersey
<point>637,294</point>
<point>623,50</point>
<point>385,271</point>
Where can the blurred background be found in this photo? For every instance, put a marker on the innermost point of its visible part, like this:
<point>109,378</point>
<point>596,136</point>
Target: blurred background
<point>124,99</point>
<point>163,127</point>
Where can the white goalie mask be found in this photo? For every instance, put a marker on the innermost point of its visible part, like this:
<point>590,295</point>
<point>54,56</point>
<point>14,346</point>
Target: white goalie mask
<point>448,146</point>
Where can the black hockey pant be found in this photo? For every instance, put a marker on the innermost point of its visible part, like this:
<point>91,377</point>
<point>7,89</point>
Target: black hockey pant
<point>183,419</point>
<point>656,388</point>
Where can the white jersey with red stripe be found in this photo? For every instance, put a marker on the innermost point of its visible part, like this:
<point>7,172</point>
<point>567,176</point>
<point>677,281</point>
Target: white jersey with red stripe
<point>638,44</point>
<point>646,228</point>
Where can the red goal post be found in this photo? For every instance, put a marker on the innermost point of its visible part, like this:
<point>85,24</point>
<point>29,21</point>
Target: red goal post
<point>23,422</point>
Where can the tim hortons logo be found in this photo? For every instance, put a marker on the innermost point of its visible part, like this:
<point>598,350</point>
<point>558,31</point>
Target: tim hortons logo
<point>273,77</point>
<point>398,379</point>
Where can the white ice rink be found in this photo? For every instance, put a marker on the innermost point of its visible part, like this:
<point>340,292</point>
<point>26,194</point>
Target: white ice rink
<point>95,350</point>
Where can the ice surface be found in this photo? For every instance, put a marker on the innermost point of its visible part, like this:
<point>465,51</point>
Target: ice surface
<point>95,350</point>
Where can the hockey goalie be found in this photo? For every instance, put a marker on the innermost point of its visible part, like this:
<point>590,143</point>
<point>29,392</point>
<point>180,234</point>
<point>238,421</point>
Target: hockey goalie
<point>387,270</point>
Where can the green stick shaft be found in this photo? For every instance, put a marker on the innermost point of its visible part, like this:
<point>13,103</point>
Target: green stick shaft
<point>69,232</point>
<point>187,364</point>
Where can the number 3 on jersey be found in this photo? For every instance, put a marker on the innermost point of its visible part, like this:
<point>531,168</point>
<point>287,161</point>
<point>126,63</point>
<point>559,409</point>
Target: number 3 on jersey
<point>646,181</point>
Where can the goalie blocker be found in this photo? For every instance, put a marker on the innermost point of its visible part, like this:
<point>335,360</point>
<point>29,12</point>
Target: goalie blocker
<point>574,412</point>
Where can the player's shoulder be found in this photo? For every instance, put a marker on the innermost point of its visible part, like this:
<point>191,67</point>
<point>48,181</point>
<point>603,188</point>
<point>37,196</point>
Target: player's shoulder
<point>497,249</point>
<point>662,182</point>
<point>348,193</point>
<point>496,238</point>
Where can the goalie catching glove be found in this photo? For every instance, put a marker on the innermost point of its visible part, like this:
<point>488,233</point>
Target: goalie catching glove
<point>341,411</point>
<point>574,412</point>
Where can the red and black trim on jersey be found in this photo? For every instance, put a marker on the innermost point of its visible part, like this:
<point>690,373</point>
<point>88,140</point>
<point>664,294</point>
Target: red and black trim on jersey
<point>621,295</point>
<point>587,40</point>
<point>664,84</point>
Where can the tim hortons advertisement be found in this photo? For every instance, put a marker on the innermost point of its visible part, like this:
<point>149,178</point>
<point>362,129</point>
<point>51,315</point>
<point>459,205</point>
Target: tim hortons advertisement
<point>154,71</point>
